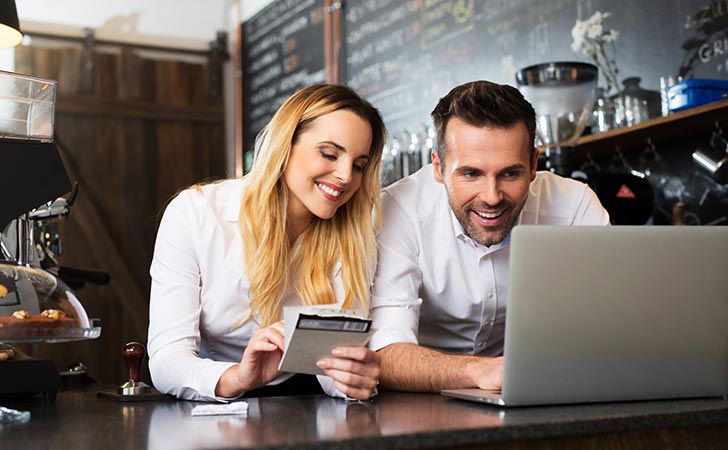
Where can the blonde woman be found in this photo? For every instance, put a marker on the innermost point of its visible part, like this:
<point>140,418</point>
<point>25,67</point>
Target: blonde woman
<point>297,229</point>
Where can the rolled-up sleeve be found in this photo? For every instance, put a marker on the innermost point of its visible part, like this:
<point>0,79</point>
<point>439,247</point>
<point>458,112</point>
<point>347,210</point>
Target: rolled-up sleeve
<point>174,311</point>
<point>395,300</point>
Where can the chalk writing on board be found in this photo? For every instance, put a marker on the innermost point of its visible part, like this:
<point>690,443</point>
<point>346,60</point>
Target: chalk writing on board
<point>276,14</point>
<point>443,20</point>
<point>708,46</point>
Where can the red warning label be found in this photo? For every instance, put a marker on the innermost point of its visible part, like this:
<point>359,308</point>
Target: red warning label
<point>625,192</point>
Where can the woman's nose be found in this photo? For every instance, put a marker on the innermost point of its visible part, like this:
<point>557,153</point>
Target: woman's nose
<point>343,172</point>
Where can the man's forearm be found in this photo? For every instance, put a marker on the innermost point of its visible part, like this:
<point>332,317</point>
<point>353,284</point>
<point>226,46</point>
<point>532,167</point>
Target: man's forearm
<point>409,367</point>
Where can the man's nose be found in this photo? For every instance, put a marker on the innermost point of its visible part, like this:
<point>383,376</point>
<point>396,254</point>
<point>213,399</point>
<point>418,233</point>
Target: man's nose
<point>490,192</point>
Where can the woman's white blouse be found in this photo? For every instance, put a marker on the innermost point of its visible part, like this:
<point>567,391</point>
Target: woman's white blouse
<point>199,290</point>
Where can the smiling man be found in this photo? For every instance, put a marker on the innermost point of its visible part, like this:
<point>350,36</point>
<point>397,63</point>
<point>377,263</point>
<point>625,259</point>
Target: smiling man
<point>441,282</point>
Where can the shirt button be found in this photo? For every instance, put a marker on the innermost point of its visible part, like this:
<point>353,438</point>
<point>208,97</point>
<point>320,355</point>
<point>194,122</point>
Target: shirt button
<point>490,296</point>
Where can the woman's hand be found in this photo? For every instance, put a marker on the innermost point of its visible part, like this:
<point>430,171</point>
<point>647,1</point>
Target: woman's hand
<point>355,370</point>
<point>259,364</point>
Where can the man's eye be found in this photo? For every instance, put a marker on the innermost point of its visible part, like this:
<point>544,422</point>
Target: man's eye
<point>511,174</point>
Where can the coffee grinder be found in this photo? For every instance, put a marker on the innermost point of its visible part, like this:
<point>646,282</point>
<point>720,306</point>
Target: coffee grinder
<point>562,93</point>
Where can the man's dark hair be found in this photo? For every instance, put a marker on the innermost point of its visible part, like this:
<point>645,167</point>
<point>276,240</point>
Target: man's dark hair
<point>483,104</point>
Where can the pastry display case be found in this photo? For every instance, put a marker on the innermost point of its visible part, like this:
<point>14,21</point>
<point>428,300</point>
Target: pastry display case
<point>37,306</point>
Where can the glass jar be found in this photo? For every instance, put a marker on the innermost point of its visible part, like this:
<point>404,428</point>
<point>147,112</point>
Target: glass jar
<point>635,104</point>
<point>603,112</point>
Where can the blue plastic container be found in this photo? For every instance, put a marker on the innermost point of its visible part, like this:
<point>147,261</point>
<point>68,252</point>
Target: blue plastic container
<point>695,92</point>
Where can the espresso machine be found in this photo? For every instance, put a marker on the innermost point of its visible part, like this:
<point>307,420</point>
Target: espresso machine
<point>36,305</point>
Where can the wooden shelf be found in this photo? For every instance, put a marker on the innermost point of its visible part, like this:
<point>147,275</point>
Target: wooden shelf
<point>683,124</point>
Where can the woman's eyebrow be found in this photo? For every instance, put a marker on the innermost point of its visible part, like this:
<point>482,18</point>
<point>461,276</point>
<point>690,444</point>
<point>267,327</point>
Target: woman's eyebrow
<point>332,143</point>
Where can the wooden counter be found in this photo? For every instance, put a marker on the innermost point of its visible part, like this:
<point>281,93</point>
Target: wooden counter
<point>80,420</point>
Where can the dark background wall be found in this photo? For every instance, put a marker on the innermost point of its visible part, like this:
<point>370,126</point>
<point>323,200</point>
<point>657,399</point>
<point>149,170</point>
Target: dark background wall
<point>403,55</point>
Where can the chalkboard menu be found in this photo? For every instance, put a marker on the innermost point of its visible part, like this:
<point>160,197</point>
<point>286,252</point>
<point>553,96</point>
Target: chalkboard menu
<point>406,54</point>
<point>391,53</point>
<point>283,51</point>
<point>403,55</point>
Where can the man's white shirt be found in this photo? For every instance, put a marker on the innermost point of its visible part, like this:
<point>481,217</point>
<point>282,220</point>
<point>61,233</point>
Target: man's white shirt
<point>436,287</point>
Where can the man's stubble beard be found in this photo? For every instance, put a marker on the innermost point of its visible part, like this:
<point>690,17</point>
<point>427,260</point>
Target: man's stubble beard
<point>481,234</point>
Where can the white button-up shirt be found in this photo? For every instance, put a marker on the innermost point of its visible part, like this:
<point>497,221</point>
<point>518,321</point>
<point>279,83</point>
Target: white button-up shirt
<point>434,286</point>
<point>199,290</point>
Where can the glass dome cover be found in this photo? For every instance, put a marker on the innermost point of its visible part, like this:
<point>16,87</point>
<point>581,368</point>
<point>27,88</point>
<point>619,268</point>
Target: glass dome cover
<point>36,306</point>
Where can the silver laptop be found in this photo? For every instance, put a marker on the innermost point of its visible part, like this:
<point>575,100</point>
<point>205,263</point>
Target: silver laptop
<point>621,313</point>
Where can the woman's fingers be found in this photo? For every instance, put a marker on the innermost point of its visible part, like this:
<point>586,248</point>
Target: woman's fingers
<point>279,327</point>
<point>272,334</point>
<point>262,345</point>
<point>259,364</point>
<point>344,365</point>
<point>353,391</point>
<point>355,370</point>
<point>357,353</point>
<point>352,379</point>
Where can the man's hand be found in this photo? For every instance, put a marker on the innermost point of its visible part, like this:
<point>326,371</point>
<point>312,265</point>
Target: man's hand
<point>486,373</point>
<point>410,367</point>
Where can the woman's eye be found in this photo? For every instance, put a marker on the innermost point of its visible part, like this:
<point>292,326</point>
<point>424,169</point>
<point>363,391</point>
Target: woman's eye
<point>358,168</point>
<point>328,156</point>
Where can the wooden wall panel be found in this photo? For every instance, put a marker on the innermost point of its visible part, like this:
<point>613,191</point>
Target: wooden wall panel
<point>133,131</point>
<point>69,76</point>
<point>107,76</point>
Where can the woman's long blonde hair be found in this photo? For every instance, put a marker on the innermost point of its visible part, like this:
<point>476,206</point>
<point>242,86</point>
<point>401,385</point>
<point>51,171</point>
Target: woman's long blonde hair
<point>347,238</point>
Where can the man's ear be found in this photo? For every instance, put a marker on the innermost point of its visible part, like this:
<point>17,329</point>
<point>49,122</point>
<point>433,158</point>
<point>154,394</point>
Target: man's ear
<point>534,163</point>
<point>436,166</point>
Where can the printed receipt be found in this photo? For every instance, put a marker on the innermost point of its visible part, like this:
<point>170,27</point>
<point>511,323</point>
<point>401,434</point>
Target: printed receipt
<point>313,331</point>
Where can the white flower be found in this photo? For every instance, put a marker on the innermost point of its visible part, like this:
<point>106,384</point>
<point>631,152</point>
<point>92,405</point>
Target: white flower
<point>598,17</point>
<point>590,50</point>
<point>610,36</point>
<point>576,45</point>
<point>594,31</point>
<point>579,30</point>
<point>589,38</point>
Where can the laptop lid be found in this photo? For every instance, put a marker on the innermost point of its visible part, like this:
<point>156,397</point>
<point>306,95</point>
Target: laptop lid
<point>616,313</point>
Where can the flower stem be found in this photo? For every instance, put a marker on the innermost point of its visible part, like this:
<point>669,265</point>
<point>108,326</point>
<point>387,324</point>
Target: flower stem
<point>609,71</point>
